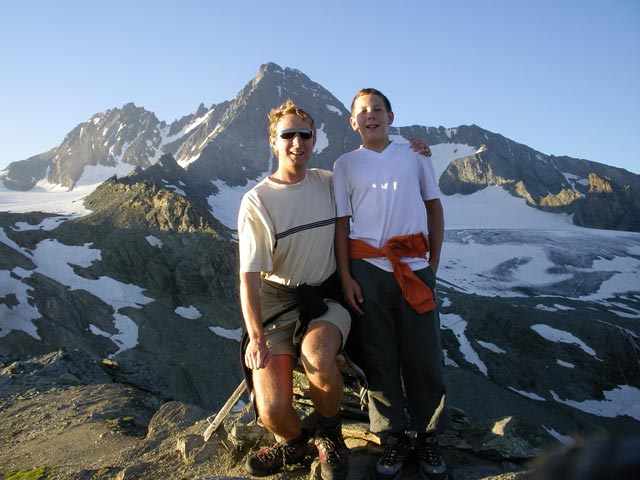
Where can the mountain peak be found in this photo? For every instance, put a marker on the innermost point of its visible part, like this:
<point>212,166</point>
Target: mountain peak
<point>269,67</point>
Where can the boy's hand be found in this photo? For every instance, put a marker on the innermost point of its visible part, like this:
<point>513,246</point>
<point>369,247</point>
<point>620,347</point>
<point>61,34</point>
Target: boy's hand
<point>433,263</point>
<point>353,295</point>
<point>421,147</point>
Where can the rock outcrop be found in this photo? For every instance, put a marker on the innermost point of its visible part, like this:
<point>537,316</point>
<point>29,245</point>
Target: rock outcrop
<point>63,415</point>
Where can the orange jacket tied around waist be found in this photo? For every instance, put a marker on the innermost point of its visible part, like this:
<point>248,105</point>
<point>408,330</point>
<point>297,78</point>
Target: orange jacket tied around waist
<point>419,295</point>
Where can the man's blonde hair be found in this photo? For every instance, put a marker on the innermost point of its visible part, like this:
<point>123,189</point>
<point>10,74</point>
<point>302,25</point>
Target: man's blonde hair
<point>287,108</point>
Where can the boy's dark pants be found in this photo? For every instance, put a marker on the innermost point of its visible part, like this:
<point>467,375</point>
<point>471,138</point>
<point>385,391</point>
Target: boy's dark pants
<point>400,352</point>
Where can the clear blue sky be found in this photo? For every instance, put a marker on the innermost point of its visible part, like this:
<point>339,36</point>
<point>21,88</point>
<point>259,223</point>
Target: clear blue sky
<point>560,76</point>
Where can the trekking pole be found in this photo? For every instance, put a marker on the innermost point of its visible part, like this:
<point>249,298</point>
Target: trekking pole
<point>224,411</point>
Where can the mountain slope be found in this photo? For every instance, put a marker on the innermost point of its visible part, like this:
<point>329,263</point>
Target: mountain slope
<point>142,277</point>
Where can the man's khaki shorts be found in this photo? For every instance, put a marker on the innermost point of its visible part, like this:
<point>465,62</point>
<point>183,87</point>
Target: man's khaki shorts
<point>279,333</point>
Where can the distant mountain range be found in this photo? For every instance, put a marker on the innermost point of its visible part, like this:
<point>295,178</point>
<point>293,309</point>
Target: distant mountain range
<point>226,144</point>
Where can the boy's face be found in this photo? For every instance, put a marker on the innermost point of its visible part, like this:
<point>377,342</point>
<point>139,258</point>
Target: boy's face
<point>296,151</point>
<point>371,119</point>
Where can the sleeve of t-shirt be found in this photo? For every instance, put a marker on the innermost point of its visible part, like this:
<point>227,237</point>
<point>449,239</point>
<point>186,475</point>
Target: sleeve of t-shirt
<point>341,189</point>
<point>255,234</point>
<point>428,181</point>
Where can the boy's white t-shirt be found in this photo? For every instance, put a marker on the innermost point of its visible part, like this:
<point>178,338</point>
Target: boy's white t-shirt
<point>384,194</point>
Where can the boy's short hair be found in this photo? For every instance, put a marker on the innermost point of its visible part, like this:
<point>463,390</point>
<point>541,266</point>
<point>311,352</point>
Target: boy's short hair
<point>287,108</point>
<point>372,91</point>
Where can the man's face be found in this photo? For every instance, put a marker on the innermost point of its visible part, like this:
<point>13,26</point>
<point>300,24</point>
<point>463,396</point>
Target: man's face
<point>371,118</point>
<point>296,151</point>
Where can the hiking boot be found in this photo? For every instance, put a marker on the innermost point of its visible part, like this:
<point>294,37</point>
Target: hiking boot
<point>271,459</point>
<point>432,466</point>
<point>333,455</point>
<point>389,465</point>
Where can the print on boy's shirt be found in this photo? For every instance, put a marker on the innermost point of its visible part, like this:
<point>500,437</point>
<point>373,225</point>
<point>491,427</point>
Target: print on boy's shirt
<point>385,186</point>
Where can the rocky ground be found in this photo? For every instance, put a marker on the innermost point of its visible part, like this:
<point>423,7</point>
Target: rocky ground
<point>61,417</point>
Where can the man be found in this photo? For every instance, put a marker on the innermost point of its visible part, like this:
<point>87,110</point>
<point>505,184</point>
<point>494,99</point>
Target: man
<point>383,191</point>
<point>286,230</point>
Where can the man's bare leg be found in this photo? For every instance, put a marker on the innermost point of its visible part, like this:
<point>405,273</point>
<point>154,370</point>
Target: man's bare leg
<point>320,345</point>
<point>273,387</point>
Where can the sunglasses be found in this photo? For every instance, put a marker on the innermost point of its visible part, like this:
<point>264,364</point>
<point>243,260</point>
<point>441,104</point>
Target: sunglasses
<point>305,133</point>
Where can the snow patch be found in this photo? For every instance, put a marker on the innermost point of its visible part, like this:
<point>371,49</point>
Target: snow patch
<point>532,396</point>
<point>490,346</point>
<point>175,189</point>
<point>226,333</point>
<point>457,325</point>
<point>96,174</point>
<point>153,241</point>
<point>190,312</point>
<point>564,439</point>
<point>556,307</point>
<point>225,204</point>
<point>322,140</point>
<point>560,336</point>
<point>621,401</point>
<point>127,336</point>
<point>21,316</point>
<point>333,109</point>
<point>448,361</point>
<point>47,225</point>
<point>565,364</point>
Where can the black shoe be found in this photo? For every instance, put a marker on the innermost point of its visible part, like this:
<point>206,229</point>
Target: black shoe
<point>389,465</point>
<point>333,455</point>
<point>432,466</point>
<point>271,459</point>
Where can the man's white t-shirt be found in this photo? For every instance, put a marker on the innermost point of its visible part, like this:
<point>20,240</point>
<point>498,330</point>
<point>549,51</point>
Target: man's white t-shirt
<point>287,231</point>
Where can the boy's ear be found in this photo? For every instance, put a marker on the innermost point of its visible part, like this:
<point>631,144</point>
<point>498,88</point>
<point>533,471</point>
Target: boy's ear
<point>353,123</point>
<point>390,117</point>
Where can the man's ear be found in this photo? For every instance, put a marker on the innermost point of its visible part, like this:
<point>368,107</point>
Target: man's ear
<point>353,123</point>
<point>272,144</point>
<point>390,117</point>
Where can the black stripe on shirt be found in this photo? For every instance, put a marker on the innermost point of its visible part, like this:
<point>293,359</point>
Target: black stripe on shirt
<point>308,226</point>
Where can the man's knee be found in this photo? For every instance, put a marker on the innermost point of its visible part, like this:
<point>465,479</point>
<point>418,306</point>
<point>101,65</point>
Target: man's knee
<point>271,407</point>
<point>320,348</point>
<point>317,362</point>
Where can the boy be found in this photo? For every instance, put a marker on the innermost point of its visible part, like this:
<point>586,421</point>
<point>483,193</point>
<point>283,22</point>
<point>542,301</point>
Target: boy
<point>382,192</point>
